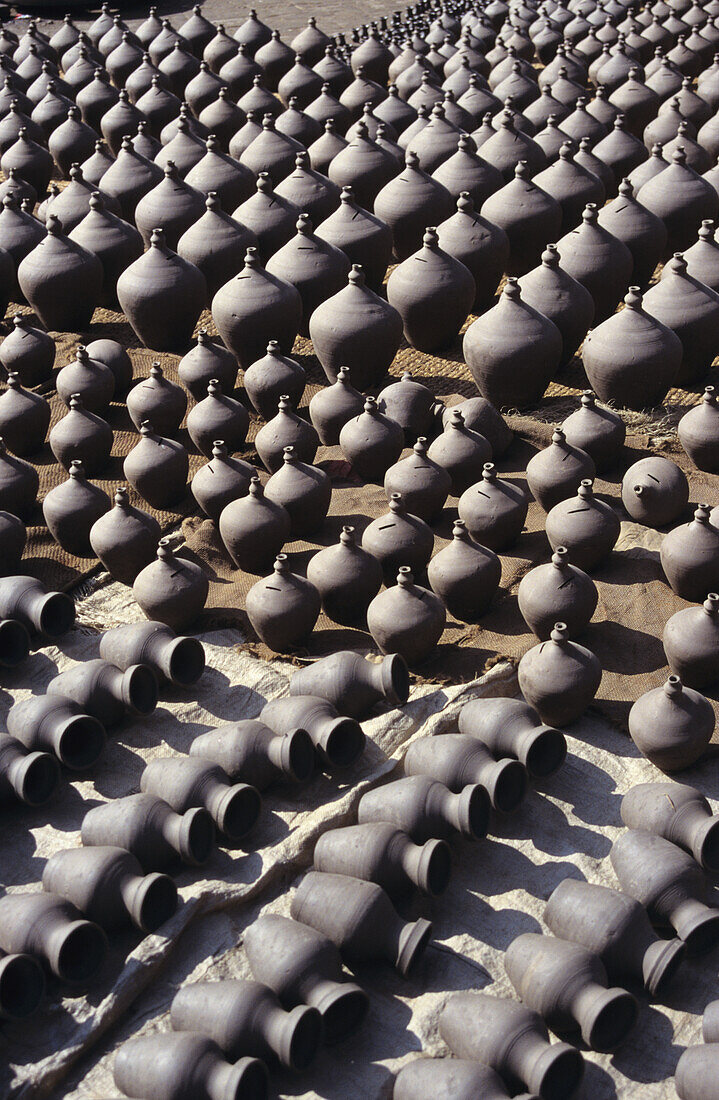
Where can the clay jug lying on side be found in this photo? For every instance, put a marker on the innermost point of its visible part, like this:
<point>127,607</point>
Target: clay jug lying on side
<point>678,813</point>
<point>149,828</point>
<point>185,1066</point>
<point>379,852</point>
<point>353,685</point>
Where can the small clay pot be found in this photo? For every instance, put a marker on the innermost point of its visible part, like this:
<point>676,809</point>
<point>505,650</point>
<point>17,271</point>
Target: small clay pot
<point>510,727</point>
<point>559,678</point>
<point>359,919</point>
<point>371,442</point>
<point>698,432</point>
<point>303,490</point>
<point>513,1040</point>
<point>690,639</point>
<point>254,529</point>
<point>175,660</point>
<point>655,491</point>
<point>157,467</point>
<point>282,608</point>
<point>465,576</point>
<point>679,813</point>
<point>149,828</point>
<point>30,777</point>
<point>158,401</point>
<point>286,429</point>
<point>171,589</point>
<point>338,741</point>
<point>125,539</point>
<point>347,578</point>
<point>274,376</point>
<point>380,853</point>
<point>354,685</point>
<point>422,483</point>
<point>222,480</point>
<point>493,510</point>
<point>24,417</point>
<point>424,808</point>
<point>251,752</point>
<point>70,510</point>
<point>598,432</point>
<point>672,725</point>
<point>187,782</point>
<point>27,350</point>
<point>585,526</point>
<point>558,591</point>
<point>406,619</point>
<point>462,452</point>
<point>333,406</point>
<point>50,928</point>
<point>690,556</point>
<point>218,417</point>
<point>185,1066</point>
<point>567,985</point>
<point>204,363</point>
<point>106,693</point>
<point>410,404</point>
<point>304,967</point>
<point>114,356</point>
<point>555,473</point>
<point>455,759</point>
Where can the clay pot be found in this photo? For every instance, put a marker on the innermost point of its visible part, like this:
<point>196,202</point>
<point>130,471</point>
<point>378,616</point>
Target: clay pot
<point>597,260</point>
<point>254,308</point>
<point>433,293</point>
<point>615,928</point>
<point>447,1079</point>
<point>218,172</point>
<point>115,244</point>
<point>493,510</point>
<point>406,619</point>
<point>482,247</point>
<point>146,826</point>
<point>156,467</point>
<point>465,576</point>
<point>171,589</point>
<point>644,234</point>
<point>510,727</point>
<point>351,684</point>
<point>410,404</point>
<point>131,177</point>
<point>316,268</point>
<point>338,741</point>
<point>669,884</point>
<point>585,526</point>
<point>455,760</point>
<point>466,171</point>
<point>559,678</point>
<point>70,510</point>
<point>691,311</point>
<point>698,432</point>
<point>356,328</point>
<point>527,215</point>
<point>408,203</point>
<point>422,483</point>
<point>50,928</point>
<point>695,1074</point>
<point>106,693</point>
<point>286,429</point>
<point>600,433</point>
<point>254,529</point>
<point>380,853</point>
<point>363,238</point>
<point>216,244</point>
<point>271,218</point>
<point>676,812</point>
<point>282,608</point>
<point>672,725</point>
<point>371,442</point>
<point>567,985</point>
<point>303,490</point>
<point>689,643</point>
<point>13,537</point>
<point>359,919</point>
<point>81,436</point>
<point>30,777</point>
<point>682,199</point>
<point>107,885</point>
<point>655,491</point>
<point>27,351</point>
<point>61,281</point>
<point>185,1066</point>
<point>557,591</point>
<point>19,483</point>
<point>494,346</point>
<point>703,257</point>
<point>510,145</point>
<point>556,472</point>
<point>172,206</point>
<point>217,417</point>
<point>51,723</point>
<point>93,381</point>
<point>461,451</point>
<point>179,661</point>
<point>303,966</point>
<point>222,480</point>
<point>187,782</point>
<point>158,401</point>
<point>31,161</point>
<point>245,1018</point>
<point>72,205</point>
<point>513,1040</point>
<point>554,294</point>
<point>346,577</point>
<point>271,377</point>
<point>162,296</point>
<point>125,539</point>
<point>690,557</point>
<point>24,417</point>
<point>50,614</point>
<point>425,808</point>
<point>398,538</point>
<point>249,751</point>
<point>332,407</point>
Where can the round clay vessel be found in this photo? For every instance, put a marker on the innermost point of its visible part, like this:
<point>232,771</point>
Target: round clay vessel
<point>557,591</point>
<point>465,576</point>
<point>158,400</point>
<point>71,508</point>
<point>222,480</point>
<point>698,432</point>
<point>690,557</point>
<point>157,468</point>
<point>24,417</point>
<point>162,296</point>
<point>171,589</point>
<point>642,232</point>
<point>598,432</point>
<point>273,376</point>
<point>125,539</point>
<point>28,351</point>
<point>587,527</point>
<point>406,619</point>
<point>493,510</point>
<point>83,436</point>
<point>433,293</point>
<point>461,451</point>
<point>682,199</point>
<point>303,490</point>
<point>203,363</point>
<point>597,260</point>
<point>423,484</point>
<point>363,238</point>
<point>371,442</point>
<point>556,472</point>
<point>690,641</point>
<point>655,491</point>
<point>482,247</point>
<point>410,404</point>
<point>333,406</point>
<point>346,577</point>
<point>114,356</point>
<point>559,678</point>
<point>672,725</point>
<point>254,529</point>
<point>481,415</point>
<point>286,429</point>
<point>398,538</point>
<point>282,608</point>
<point>217,417</point>
<point>315,268</point>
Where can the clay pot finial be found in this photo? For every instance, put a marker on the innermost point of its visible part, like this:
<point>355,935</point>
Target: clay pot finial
<point>560,633</point>
<point>673,687</point>
<point>304,225</point>
<point>633,298</point>
<point>709,396</point>
<point>356,276</point>
<point>157,238</point>
<point>96,201</point>
<point>550,256</point>
<point>251,258</point>
<point>53,225</point>
<point>121,497</point>
<point>404,577</point>
<point>77,470</point>
<point>679,156</point>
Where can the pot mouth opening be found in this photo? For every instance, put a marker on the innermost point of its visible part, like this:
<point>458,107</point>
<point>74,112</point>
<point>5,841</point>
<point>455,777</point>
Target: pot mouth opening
<point>197,836</point>
<point>563,1073</point>
<point>81,742</point>
<point>395,679</point>
<point>81,952</point>
<point>709,846</point>
<point>345,743</point>
<point>299,755</point>
<point>142,689</point>
<point>14,643</point>
<point>435,867</point>
<point>158,902</point>
<point>343,1011</point>
<point>248,1080</point>
<point>57,614</point>
<point>305,1038</point>
<point>611,1024</point>
<point>474,812</point>
<point>510,786</point>
<point>240,811</point>
<point>22,984</point>
<point>187,661</point>
<point>40,775</point>
<point>546,753</point>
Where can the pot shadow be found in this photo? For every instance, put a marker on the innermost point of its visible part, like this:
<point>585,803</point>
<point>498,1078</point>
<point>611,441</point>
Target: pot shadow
<point>497,868</point>
<point>19,864</point>
<point>656,1042</point>
<point>575,779</point>
<point>596,1084</point>
<point>547,826</point>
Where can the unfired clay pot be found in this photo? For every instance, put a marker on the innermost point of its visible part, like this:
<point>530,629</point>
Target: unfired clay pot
<point>672,725</point>
<point>559,678</point>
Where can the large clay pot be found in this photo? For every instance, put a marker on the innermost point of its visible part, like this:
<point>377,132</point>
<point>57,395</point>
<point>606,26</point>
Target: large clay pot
<point>493,510</point>
<point>158,400</point>
<point>465,576</point>
<point>617,929</point>
<point>314,267</point>
<point>185,1066</point>
<point>157,468</point>
<point>513,1040</point>
<point>690,557</point>
<point>130,178</point>
<point>597,260</point>
<point>482,247</point>
<point>125,539</point>
<point>172,206</point>
<point>559,678</point>
<point>254,308</point>
<point>698,432</point>
<point>363,238</point>
<point>187,782</point>
<point>282,608</point>
<point>222,480</point>
<point>207,361</point>
<point>677,812</point>
<point>162,296</point>
<point>406,619</point>
<point>333,406</point>
<point>216,244</point>
<point>398,538</point>
<point>529,217</point>
<point>359,918</point>
<point>346,577</point>
<point>600,433</point>
<point>585,526</point>
<point>655,491</point>
<point>691,310</point>
<point>171,589</point>
<point>644,234</point>
<point>410,202</point>
<point>433,293</point>
<point>558,591</point>
<point>303,490</point>
<point>355,328</point>
<point>510,145</point>
<point>254,529</point>
<point>271,218</point>
<point>672,725</point>
<point>682,199</point>
<point>71,508</point>
<point>551,291</point>
<point>61,281</point>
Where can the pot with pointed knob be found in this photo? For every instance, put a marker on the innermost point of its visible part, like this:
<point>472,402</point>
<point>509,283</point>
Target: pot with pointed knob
<point>222,480</point>
<point>422,483</point>
<point>398,538</point>
<point>205,362</point>
<point>406,619</point>
<point>333,406</point>
<point>171,589</point>
<point>465,576</point>
<point>254,529</point>
<point>690,556</point>
<point>493,510</point>
<point>346,577</point>
<point>162,296</point>
<point>125,539</point>
<point>272,377</point>
<point>672,725</point>
<point>27,350</point>
<point>698,432</point>
<point>24,417</point>
<point>433,293</point>
<point>282,608</point>
<point>585,526</point>
<point>159,401</point>
<point>558,590</point>
<point>559,678</point>
<point>598,432</point>
<point>70,510</point>
<point>556,472</point>
<point>218,416</point>
<point>156,468</point>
